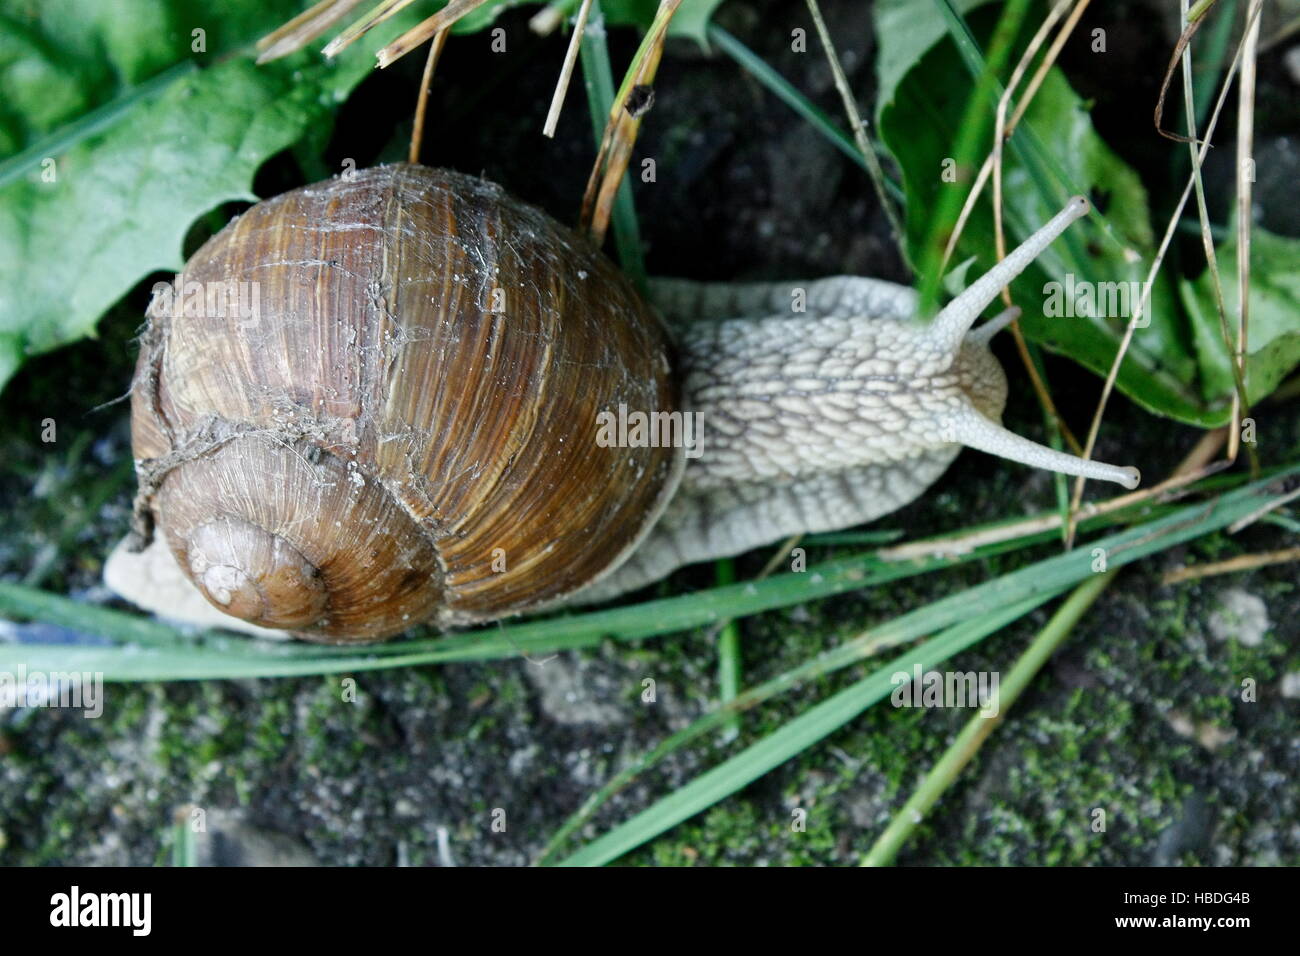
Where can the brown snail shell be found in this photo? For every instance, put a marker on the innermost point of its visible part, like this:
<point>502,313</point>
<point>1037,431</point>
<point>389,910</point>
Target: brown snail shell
<point>376,446</point>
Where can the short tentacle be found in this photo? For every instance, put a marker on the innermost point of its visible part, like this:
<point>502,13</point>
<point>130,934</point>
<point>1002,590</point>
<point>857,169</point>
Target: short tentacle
<point>984,334</point>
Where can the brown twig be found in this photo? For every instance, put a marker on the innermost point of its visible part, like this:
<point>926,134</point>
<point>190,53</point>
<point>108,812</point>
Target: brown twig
<point>1243,562</point>
<point>417,132</point>
<point>1248,520</point>
<point>566,73</point>
<point>1245,149</point>
<point>624,123</point>
<point>1207,244</point>
<point>1001,132</point>
<point>302,29</point>
<point>412,38</point>
<point>1195,18</point>
<point>993,161</point>
<point>982,179</point>
<point>1144,300</point>
<point>377,15</point>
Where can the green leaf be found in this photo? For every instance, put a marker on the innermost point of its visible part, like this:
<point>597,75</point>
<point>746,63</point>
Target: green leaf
<point>1273,335</point>
<point>957,279</point>
<point>1161,370</point>
<point>123,199</point>
<point>912,28</point>
<point>61,58</point>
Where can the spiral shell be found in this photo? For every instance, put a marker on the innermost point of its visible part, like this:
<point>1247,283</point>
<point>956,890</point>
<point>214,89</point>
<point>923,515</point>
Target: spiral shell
<point>400,424</point>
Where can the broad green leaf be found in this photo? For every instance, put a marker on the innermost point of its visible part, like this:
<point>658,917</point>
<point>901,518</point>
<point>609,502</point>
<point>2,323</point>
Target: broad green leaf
<point>1108,254</point>
<point>123,199</point>
<point>1273,333</point>
<point>60,58</point>
<point>133,171</point>
<point>911,28</point>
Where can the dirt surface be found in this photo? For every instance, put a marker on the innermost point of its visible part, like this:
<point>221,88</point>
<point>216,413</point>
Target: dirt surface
<point>1140,715</point>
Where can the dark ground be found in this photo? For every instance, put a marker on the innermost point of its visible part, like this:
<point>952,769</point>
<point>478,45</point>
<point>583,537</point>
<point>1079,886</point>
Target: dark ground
<point>1138,715</point>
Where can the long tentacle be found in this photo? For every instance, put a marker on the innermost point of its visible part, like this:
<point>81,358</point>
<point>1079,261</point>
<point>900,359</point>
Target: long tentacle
<point>951,325</point>
<point>972,429</point>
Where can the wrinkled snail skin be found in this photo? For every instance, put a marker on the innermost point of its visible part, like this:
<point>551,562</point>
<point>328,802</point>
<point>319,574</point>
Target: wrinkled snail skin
<point>406,431</point>
<point>835,417</point>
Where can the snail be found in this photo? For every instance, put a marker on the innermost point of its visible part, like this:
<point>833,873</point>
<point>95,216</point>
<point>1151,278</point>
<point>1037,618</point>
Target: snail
<point>442,406</point>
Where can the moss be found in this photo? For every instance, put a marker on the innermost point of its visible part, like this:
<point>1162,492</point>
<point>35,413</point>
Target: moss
<point>433,749</point>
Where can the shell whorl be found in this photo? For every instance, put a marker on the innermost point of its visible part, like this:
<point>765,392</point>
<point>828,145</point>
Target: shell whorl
<point>256,575</point>
<point>289,536</point>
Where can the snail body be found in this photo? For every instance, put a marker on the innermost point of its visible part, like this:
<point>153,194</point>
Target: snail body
<point>404,428</point>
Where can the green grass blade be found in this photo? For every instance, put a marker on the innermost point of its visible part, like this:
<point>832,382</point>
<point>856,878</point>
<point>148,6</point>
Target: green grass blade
<point>185,851</point>
<point>792,739</point>
<point>1033,583</point>
<point>978,728</point>
<point>729,657</point>
<point>147,650</point>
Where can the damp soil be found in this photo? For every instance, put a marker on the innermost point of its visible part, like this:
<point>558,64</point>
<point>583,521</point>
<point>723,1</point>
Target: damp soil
<point>1140,715</point>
